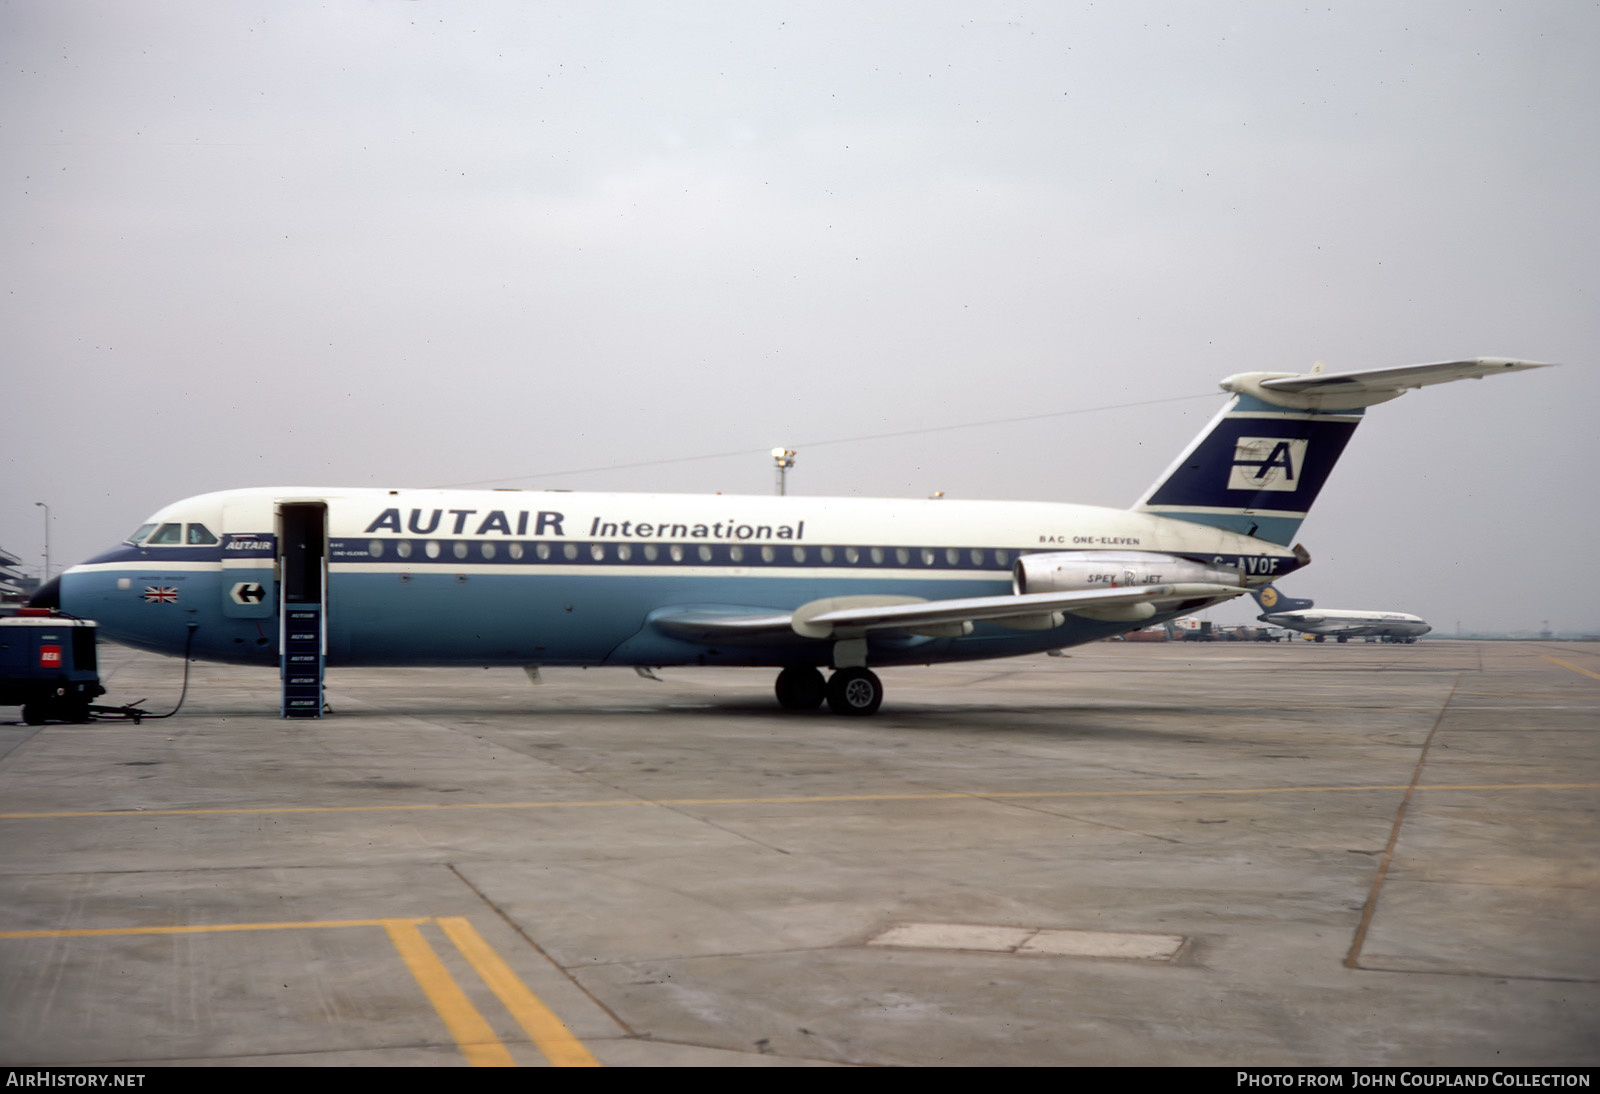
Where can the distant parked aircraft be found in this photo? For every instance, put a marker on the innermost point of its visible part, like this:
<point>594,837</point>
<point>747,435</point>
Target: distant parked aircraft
<point>1298,615</point>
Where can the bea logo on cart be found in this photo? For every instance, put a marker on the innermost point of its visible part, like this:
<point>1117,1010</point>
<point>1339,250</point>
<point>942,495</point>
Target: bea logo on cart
<point>49,657</point>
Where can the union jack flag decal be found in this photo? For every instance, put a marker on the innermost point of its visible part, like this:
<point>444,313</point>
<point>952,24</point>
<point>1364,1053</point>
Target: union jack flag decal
<point>161,594</point>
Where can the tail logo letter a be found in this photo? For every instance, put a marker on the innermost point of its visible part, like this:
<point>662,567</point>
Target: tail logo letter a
<point>1267,463</point>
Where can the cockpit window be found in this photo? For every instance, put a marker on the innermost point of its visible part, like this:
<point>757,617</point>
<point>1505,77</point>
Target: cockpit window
<point>167,534</point>
<point>199,533</point>
<point>138,536</point>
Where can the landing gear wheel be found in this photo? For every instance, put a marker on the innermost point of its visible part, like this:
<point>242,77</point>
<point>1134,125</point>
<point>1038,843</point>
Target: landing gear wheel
<point>801,687</point>
<point>856,691</point>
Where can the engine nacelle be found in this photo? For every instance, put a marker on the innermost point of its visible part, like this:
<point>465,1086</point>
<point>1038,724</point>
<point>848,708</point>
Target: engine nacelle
<point>1070,571</point>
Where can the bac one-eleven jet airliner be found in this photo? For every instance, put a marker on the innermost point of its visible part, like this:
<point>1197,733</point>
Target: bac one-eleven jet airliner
<point>308,577</point>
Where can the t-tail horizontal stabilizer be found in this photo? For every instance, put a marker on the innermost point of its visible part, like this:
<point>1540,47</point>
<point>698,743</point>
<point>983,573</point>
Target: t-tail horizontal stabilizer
<point>1261,462</point>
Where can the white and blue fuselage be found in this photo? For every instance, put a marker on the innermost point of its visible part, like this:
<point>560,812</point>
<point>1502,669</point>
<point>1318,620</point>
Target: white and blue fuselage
<point>436,577</point>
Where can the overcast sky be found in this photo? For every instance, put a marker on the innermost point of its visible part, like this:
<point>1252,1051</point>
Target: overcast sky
<point>424,243</point>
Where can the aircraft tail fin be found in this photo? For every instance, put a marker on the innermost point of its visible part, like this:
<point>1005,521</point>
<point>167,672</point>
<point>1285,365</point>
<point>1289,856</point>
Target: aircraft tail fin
<point>1261,462</point>
<point>1270,600</point>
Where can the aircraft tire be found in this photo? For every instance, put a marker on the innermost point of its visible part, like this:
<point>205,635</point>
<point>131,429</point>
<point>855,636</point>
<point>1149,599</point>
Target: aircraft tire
<point>801,687</point>
<point>856,692</point>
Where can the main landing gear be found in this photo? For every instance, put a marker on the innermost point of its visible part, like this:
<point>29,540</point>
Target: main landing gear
<point>853,691</point>
<point>801,687</point>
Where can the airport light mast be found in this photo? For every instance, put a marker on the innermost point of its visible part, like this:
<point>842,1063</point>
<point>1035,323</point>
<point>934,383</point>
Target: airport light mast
<point>782,459</point>
<point>46,509</point>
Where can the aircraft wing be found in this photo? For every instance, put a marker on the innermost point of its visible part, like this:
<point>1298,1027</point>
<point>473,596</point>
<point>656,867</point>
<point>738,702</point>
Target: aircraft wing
<point>846,617</point>
<point>1397,379</point>
<point>929,613</point>
<point>722,622</point>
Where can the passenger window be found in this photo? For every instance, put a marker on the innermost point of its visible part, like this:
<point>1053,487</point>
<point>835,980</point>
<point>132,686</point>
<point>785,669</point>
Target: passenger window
<point>827,554</point>
<point>952,556</point>
<point>488,550</point>
<point>705,553</point>
<point>167,534</point>
<point>927,556</point>
<point>569,551</point>
<point>799,554</point>
<point>624,552</point>
<point>676,550</point>
<point>200,535</point>
<point>877,555</point>
<point>852,555</point>
<point>768,554</point>
<point>597,552</point>
<point>901,555</point>
<point>976,554</point>
<point>650,552</point>
<point>736,553</point>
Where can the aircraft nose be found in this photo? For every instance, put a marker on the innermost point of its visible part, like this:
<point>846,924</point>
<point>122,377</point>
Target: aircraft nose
<point>47,595</point>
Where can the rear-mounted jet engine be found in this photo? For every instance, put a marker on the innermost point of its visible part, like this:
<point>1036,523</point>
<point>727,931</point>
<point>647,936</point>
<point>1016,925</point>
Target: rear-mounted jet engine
<point>1069,571</point>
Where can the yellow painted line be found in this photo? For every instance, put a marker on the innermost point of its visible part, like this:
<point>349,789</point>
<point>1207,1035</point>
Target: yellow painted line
<point>552,1036</point>
<point>471,1032</point>
<point>821,799</point>
<point>1569,697</point>
<point>90,932</point>
<point>1570,665</point>
<point>285,809</point>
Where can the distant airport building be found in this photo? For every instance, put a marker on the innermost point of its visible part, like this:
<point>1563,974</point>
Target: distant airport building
<point>15,586</point>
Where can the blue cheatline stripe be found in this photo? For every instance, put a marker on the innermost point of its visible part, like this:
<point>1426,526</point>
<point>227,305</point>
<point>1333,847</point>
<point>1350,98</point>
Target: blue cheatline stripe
<point>154,557</point>
<point>608,553</point>
<point>980,562</point>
